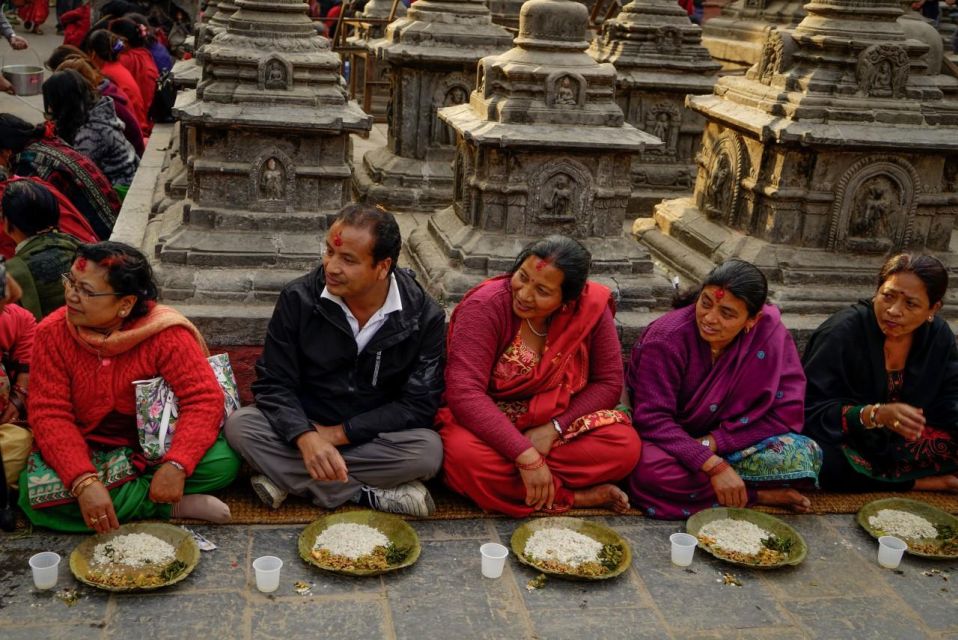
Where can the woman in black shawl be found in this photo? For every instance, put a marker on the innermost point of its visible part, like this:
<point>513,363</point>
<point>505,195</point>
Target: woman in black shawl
<point>882,393</point>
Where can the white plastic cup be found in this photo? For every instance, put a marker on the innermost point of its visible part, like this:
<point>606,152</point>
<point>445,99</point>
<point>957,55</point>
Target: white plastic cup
<point>493,559</point>
<point>683,548</point>
<point>267,570</point>
<point>46,569</point>
<point>890,551</point>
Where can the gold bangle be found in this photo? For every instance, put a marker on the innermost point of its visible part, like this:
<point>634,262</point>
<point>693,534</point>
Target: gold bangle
<point>81,486</point>
<point>873,417</point>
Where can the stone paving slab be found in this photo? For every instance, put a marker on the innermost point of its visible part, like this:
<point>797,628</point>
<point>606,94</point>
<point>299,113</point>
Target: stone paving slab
<point>838,592</point>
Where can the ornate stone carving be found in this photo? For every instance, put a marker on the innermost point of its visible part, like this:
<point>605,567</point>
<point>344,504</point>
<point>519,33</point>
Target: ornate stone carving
<point>664,121</point>
<point>774,53</point>
<point>559,195</point>
<point>726,167</point>
<point>883,71</point>
<point>565,90</point>
<point>668,40</point>
<point>452,91</point>
<point>874,206</point>
<point>271,182</point>
<point>275,74</point>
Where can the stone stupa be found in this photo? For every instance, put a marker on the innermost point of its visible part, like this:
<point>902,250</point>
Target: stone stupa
<point>659,59</point>
<point>542,148</point>
<point>431,56</point>
<point>266,145</point>
<point>837,149</point>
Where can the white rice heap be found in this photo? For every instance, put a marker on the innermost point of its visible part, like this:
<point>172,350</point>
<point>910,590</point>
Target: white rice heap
<point>134,550</point>
<point>737,536</point>
<point>902,524</point>
<point>562,545</point>
<point>350,540</point>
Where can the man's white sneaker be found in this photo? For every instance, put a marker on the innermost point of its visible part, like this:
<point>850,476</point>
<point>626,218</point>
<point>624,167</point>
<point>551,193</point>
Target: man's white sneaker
<point>411,499</point>
<point>267,491</point>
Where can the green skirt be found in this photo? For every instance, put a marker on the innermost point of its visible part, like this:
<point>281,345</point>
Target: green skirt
<point>129,490</point>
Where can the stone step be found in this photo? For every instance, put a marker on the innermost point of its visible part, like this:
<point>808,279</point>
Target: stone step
<point>199,247</point>
<point>301,222</point>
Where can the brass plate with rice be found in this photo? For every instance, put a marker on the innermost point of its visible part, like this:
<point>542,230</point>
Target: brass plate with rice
<point>943,547</point>
<point>785,547</point>
<point>615,557</point>
<point>146,578</point>
<point>403,551</point>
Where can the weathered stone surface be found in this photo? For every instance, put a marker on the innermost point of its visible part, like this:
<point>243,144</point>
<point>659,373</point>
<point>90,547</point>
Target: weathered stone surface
<point>542,148</point>
<point>659,59</point>
<point>735,38</point>
<point>431,56</point>
<point>264,143</point>
<point>836,149</point>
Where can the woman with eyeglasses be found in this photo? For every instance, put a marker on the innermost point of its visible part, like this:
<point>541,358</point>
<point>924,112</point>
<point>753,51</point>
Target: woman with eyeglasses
<point>88,471</point>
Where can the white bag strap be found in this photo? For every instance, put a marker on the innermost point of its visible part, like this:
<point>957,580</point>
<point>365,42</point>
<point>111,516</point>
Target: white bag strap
<point>165,420</point>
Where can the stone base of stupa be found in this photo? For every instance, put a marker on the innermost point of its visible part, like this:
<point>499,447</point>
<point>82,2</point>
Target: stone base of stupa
<point>405,184</point>
<point>802,280</point>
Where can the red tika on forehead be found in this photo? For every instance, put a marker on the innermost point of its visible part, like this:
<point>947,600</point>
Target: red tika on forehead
<point>541,264</point>
<point>338,239</point>
<point>112,261</point>
<point>719,293</point>
<point>81,264</point>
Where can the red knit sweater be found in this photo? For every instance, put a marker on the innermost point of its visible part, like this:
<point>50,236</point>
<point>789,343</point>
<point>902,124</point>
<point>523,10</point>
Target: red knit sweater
<point>73,390</point>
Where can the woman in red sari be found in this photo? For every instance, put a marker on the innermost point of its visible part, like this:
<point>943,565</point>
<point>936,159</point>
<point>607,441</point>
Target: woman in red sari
<point>534,370</point>
<point>34,13</point>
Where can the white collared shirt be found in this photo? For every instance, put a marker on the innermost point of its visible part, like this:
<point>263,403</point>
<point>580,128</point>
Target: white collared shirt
<point>364,335</point>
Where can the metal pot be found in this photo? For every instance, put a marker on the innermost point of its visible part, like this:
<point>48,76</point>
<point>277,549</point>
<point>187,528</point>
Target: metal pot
<point>25,78</point>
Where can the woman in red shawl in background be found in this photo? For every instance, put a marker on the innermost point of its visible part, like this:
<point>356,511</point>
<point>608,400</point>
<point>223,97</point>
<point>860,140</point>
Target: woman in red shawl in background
<point>34,13</point>
<point>136,57</point>
<point>534,370</point>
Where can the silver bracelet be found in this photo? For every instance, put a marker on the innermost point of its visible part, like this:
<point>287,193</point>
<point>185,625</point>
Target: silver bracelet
<point>177,465</point>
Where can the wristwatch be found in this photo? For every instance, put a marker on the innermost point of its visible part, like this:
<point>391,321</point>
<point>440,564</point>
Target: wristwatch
<point>705,442</point>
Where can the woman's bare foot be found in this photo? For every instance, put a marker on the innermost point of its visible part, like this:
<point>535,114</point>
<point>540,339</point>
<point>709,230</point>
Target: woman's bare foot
<point>602,495</point>
<point>938,483</point>
<point>788,498</point>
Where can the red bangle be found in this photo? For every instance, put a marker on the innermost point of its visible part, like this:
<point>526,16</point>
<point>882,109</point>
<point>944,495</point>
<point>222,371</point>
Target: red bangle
<point>532,466</point>
<point>717,468</point>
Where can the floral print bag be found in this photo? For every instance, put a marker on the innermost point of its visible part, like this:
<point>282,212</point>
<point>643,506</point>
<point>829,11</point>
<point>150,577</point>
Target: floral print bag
<point>156,407</point>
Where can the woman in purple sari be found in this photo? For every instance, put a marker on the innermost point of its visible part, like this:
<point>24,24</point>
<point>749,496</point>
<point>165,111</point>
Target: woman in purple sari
<point>718,393</point>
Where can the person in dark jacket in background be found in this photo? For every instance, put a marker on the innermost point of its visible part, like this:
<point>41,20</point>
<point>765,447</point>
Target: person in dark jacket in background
<point>350,379</point>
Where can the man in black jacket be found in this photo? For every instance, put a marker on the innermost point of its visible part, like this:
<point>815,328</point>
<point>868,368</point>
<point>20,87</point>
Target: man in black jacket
<point>349,380</point>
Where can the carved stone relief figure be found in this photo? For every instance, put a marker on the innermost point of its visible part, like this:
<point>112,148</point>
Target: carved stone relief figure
<point>668,40</point>
<point>874,209</point>
<point>443,134</point>
<point>772,59</point>
<point>566,90</point>
<point>275,75</point>
<point>718,192</point>
<point>271,180</point>
<point>664,121</point>
<point>557,205</point>
<point>883,71</point>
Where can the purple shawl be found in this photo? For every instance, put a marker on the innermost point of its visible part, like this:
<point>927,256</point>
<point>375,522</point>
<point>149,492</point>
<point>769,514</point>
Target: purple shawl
<point>755,389</point>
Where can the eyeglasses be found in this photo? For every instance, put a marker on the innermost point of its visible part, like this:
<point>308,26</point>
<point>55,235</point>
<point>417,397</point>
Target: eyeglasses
<point>83,291</point>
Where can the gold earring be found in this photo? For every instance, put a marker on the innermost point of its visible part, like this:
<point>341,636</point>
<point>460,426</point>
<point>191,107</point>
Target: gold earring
<point>931,318</point>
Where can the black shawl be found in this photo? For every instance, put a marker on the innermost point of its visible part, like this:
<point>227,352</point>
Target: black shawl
<point>845,365</point>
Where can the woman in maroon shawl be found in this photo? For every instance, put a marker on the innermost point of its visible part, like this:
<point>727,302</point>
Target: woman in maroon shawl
<point>718,390</point>
<point>534,370</point>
